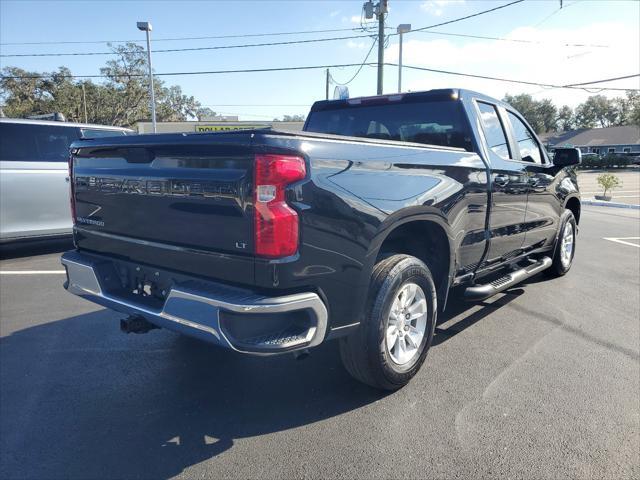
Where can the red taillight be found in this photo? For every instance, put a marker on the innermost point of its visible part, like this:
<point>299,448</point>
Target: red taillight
<point>72,200</point>
<point>276,223</point>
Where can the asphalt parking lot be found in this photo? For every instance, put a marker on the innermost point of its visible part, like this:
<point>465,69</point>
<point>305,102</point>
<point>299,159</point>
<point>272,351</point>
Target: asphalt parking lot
<point>540,382</point>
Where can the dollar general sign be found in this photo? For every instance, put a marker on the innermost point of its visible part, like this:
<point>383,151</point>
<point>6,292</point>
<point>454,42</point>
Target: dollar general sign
<point>223,128</point>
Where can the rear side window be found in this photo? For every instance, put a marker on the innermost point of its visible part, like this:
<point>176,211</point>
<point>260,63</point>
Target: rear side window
<point>35,143</point>
<point>493,130</point>
<point>439,122</point>
<point>101,133</point>
<point>529,148</point>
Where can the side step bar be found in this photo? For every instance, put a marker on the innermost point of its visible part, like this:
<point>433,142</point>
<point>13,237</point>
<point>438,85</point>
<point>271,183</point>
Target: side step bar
<point>480,292</point>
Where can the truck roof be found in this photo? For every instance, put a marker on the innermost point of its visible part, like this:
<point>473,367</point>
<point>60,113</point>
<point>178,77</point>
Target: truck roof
<point>439,94</point>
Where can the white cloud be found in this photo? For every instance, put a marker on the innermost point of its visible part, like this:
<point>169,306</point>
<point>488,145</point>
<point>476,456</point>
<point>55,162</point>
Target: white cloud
<point>436,7</point>
<point>358,45</point>
<point>334,13</point>
<point>355,19</point>
<point>550,63</point>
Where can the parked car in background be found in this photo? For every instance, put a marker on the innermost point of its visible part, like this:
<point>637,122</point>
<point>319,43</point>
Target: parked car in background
<point>34,189</point>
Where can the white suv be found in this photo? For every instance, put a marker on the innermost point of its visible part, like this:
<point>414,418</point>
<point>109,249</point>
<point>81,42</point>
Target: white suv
<point>34,189</point>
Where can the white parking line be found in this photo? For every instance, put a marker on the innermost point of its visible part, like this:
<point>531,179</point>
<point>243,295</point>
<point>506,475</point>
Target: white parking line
<point>623,241</point>
<point>615,192</point>
<point>32,272</point>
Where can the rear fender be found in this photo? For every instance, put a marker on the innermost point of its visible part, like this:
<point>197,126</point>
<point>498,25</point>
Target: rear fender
<point>391,224</point>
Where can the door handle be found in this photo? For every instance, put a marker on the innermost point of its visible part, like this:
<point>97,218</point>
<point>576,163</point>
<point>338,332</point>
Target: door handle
<point>66,179</point>
<point>501,180</point>
<point>533,181</point>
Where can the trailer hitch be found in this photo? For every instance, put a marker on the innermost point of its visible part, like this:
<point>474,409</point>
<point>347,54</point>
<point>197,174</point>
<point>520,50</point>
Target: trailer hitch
<point>136,324</point>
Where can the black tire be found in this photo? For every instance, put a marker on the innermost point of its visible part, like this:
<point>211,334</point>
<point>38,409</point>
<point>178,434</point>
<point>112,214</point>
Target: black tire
<point>559,267</point>
<point>364,353</point>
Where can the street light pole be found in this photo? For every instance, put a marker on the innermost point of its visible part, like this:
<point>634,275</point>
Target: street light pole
<point>146,27</point>
<point>403,28</point>
<point>326,88</point>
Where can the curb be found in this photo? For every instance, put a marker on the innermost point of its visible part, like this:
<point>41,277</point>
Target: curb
<point>602,203</point>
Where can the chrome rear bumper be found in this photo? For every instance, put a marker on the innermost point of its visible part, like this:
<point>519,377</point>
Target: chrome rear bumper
<point>195,308</point>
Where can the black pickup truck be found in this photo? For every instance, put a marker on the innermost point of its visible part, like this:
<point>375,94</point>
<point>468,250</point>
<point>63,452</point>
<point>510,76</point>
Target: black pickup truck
<point>356,228</point>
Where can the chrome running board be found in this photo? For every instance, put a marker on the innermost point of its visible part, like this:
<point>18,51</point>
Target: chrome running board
<point>480,292</point>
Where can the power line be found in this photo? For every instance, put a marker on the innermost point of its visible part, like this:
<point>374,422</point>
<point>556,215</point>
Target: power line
<point>359,65</point>
<point>247,35</point>
<point>554,13</point>
<point>246,114</point>
<point>193,49</point>
<point>290,42</point>
<point>516,40</point>
<point>176,39</point>
<point>523,82</point>
<point>375,40</point>
<point>211,72</point>
<point>601,81</point>
<point>265,44</point>
<point>477,14</point>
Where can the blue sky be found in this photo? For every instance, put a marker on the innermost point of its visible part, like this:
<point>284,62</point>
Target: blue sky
<point>611,23</point>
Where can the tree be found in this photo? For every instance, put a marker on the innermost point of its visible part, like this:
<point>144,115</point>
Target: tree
<point>291,118</point>
<point>541,114</point>
<point>608,182</point>
<point>628,108</point>
<point>634,109</point>
<point>128,79</point>
<point>204,112</point>
<point>547,114</point>
<point>122,99</point>
<point>597,111</point>
<point>23,93</point>
<point>566,119</point>
<point>174,106</point>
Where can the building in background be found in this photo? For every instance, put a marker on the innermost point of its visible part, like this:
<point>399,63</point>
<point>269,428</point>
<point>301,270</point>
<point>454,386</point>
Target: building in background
<point>601,141</point>
<point>216,125</point>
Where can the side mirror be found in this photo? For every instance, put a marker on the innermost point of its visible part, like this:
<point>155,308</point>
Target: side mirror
<point>567,157</point>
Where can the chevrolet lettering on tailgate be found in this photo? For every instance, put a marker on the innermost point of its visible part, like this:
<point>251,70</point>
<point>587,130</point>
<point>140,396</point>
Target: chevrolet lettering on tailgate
<point>180,188</point>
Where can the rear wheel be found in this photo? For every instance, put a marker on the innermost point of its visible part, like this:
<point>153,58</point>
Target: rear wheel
<point>392,342</point>
<point>565,248</point>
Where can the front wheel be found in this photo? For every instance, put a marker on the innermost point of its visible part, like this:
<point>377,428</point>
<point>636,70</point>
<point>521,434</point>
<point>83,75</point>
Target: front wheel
<point>392,342</point>
<point>565,248</point>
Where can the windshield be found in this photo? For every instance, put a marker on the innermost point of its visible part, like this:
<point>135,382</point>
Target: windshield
<point>440,122</point>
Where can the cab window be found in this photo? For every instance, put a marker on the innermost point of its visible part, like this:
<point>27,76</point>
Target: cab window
<point>493,130</point>
<point>526,143</point>
<point>428,121</point>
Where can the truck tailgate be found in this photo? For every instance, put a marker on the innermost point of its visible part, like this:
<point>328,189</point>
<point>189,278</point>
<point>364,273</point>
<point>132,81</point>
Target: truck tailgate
<point>163,199</point>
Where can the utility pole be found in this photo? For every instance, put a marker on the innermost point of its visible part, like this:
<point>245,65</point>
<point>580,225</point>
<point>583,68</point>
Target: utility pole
<point>84,99</point>
<point>381,10</point>
<point>326,89</point>
<point>146,27</point>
